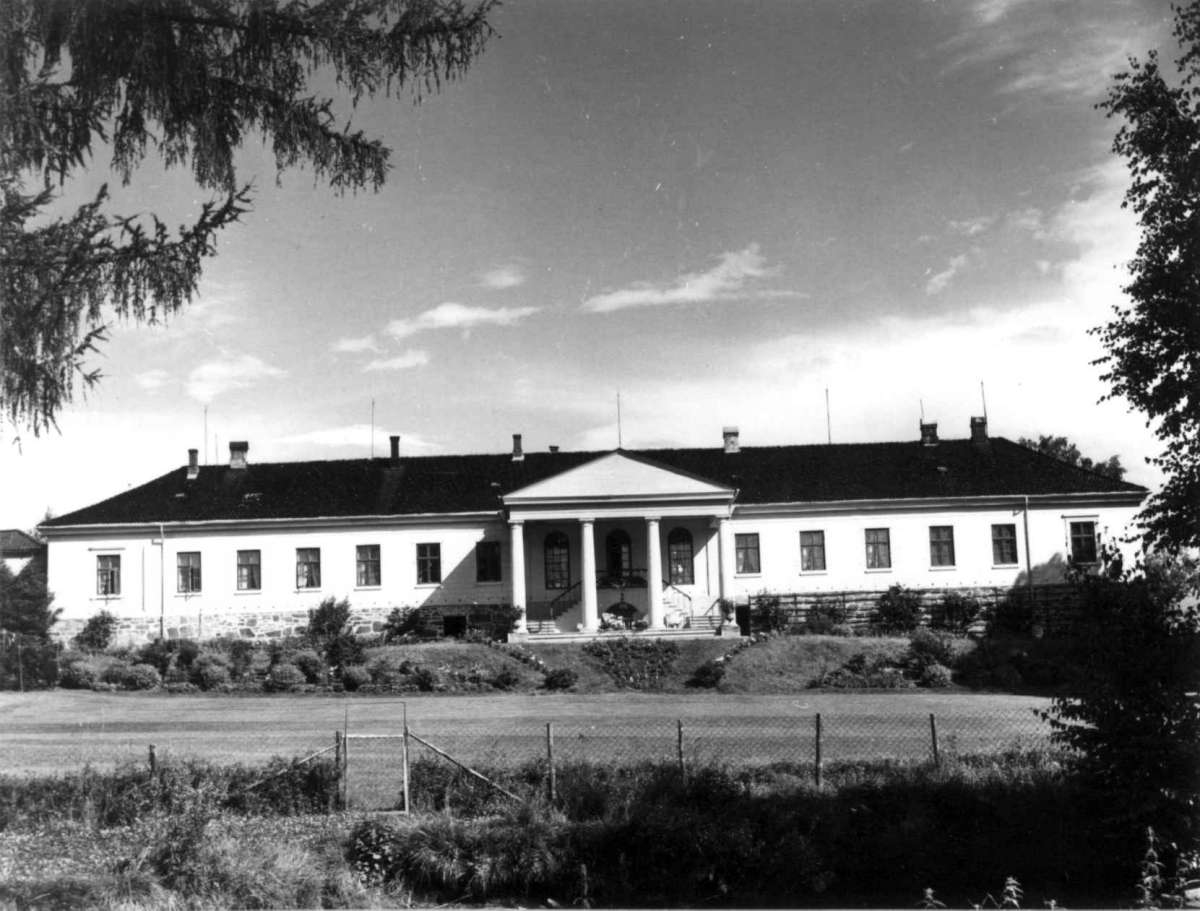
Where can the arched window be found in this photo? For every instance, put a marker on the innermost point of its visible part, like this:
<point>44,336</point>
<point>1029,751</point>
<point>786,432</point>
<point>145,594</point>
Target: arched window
<point>557,560</point>
<point>618,550</point>
<point>680,557</point>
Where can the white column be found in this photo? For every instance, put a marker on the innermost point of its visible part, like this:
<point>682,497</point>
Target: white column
<point>725,565</point>
<point>517,530</point>
<point>587,578</point>
<point>654,570</point>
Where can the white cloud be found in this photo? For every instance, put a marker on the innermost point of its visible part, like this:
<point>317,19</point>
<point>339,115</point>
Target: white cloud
<point>409,359</point>
<point>355,345</point>
<point>941,281</point>
<point>359,437</point>
<point>151,380</point>
<point>215,378</point>
<point>727,280</point>
<point>451,315</point>
<point>972,226</point>
<point>502,277</point>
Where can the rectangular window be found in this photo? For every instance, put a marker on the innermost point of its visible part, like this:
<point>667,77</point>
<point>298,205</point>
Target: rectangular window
<point>1004,545</point>
<point>308,567</point>
<point>367,558</point>
<point>187,572</point>
<point>879,548</point>
<point>249,570</point>
<point>429,564</point>
<point>1083,542</point>
<point>812,551</point>
<point>487,561</point>
<point>108,575</point>
<point>941,545</point>
<point>746,551</point>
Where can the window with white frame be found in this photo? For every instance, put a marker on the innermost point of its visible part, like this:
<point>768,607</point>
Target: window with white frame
<point>812,551</point>
<point>1084,540</point>
<point>1004,545</point>
<point>429,563</point>
<point>108,575</point>
<point>249,570</point>
<point>745,549</point>
<point>879,548</point>
<point>308,567</point>
<point>187,572</point>
<point>366,558</point>
<point>941,545</point>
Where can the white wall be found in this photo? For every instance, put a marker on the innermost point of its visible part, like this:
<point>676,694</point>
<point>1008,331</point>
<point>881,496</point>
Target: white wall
<point>73,561</point>
<point>845,548</point>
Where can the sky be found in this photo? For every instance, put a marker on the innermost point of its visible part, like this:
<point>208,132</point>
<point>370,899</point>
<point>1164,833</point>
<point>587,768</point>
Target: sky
<point>722,212</point>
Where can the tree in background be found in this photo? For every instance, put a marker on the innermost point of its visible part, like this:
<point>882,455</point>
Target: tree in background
<point>1064,450</point>
<point>191,79</point>
<point>25,604</point>
<point>1153,343</point>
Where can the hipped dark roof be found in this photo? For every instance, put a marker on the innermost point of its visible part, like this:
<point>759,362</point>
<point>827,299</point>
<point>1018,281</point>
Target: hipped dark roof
<point>475,483</point>
<point>16,543</point>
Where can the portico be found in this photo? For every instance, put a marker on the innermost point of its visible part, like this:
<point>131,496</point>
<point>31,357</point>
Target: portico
<point>594,538</point>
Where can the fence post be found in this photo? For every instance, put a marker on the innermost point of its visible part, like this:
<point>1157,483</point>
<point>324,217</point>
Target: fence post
<point>937,759</point>
<point>404,760</point>
<point>679,748</point>
<point>337,767</point>
<point>346,761</point>
<point>817,770</point>
<point>550,761</point>
<point>153,761</point>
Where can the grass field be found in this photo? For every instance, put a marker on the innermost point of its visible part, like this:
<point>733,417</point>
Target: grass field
<point>55,730</point>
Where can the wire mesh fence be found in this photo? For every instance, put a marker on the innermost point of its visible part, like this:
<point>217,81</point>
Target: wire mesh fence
<point>376,773</point>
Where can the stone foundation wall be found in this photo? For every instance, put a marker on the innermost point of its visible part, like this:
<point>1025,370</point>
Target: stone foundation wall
<point>260,625</point>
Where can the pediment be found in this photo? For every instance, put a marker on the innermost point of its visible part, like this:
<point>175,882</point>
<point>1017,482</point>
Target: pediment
<point>621,477</point>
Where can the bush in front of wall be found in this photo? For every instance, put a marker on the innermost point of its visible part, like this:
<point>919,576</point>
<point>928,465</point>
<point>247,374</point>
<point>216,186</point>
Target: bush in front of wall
<point>768,614</point>
<point>98,632</point>
<point>897,611</point>
<point>708,675</point>
<point>560,678</point>
<point>956,612</point>
<point>1012,615</point>
<point>209,672</point>
<point>310,664</point>
<point>355,677</point>
<point>936,676</point>
<point>78,675</point>
<point>284,678</point>
<point>826,617</point>
<point>925,648</point>
<point>27,662</point>
<point>506,678</point>
<point>141,677</point>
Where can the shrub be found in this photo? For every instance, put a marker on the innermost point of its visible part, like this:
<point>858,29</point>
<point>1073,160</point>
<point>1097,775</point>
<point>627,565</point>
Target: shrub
<point>401,622</point>
<point>98,632</point>
<point>241,656</point>
<point>865,671</point>
<point>343,650</point>
<point>327,620</point>
<point>78,676</point>
<point>310,664</point>
<point>285,678</point>
<point>956,612</point>
<point>425,679</point>
<point>355,676</point>
<point>635,663</point>
<point>925,647</point>
<point>141,677</point>
<point>1012,615</point>
<point>769,614</point>
<point>157,653</point>
<point>898,611</point>
<point>825,616</point>
<point>506,678</point>
<point>114,672</point>
<point>936,676</point>
<point>186,652</point>
<point>561,678</point>
<point>708,675</point>
<point>209,672</point>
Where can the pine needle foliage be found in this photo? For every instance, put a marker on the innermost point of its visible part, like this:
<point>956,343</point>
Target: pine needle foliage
<point>192,81</point>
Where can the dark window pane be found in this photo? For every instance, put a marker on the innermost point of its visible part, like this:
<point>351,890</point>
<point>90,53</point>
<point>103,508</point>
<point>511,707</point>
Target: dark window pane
<point>487,561</point>
<point>680,557</point>
<point>1004,544</point>
<point>1083,542</point>
<point>941,545</point>
<point>879,548</point>
<point>746,550</point>
<point>812,551</point>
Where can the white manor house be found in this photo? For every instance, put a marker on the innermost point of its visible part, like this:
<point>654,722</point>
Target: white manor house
<point>663,535</point>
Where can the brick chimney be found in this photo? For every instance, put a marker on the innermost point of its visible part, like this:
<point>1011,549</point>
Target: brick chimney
<point>929,435</point>
<point>395,441</point>
<point>237,453</point>
<point>518,454</point>
<point>979,434</point>
<point>730,436</point>
<point>193,464</point>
